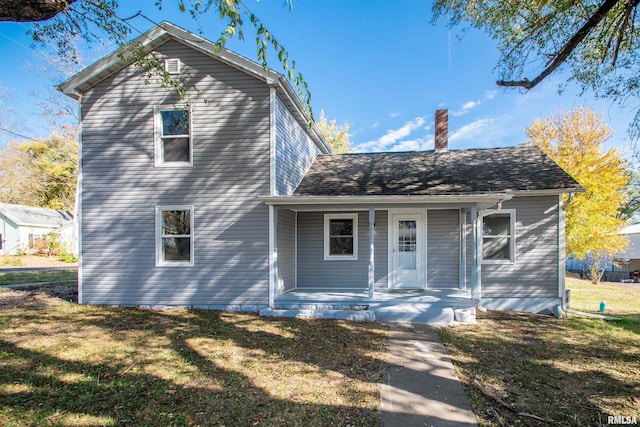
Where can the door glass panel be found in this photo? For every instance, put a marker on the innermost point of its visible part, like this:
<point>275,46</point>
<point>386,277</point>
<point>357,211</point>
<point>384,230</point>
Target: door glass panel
<point>407,246</point>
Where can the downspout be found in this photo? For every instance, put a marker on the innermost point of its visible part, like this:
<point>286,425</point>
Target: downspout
<point>563,299</point>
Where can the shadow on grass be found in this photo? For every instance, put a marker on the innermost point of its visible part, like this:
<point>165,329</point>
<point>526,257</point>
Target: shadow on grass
<point>572,372</point>
<point>86,365</point>
<point>629,323</point>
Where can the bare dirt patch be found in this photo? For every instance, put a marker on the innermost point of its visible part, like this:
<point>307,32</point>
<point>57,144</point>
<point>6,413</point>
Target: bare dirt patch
<point>38,296</point>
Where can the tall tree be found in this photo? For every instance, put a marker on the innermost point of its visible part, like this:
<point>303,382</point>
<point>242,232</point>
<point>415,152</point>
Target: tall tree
<point>59,23</point>
<point>596,41</point>
<point>337,136</point>
<point>574,140</point>
<point>40,173</point>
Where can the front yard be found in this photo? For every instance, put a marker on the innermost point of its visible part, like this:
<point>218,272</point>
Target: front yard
<point>68,365</point>
<point>534,370</point>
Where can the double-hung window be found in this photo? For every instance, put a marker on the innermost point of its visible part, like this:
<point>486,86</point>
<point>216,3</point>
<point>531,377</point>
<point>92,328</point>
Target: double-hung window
<point>174,235</point>
<point>498,237</point>
<point>341,236</point>
<point>173,136</point>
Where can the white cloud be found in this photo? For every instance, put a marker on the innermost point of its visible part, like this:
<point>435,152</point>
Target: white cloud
<point>375,125</point>
<point>490,94</point>
<point>395,114</point>
<point>466,107</point>
<point>393,136</point>
<point>418,144</point>
<point>469,105</point>
<point>471,130</point>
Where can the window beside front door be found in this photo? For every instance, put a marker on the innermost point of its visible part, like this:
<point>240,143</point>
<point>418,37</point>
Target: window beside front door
<point>173,136</point>
<point>341,236</point>
<point>498,237</point>
<point>174,235</point>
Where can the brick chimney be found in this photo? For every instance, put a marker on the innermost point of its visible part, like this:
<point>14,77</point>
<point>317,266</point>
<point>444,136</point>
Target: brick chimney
<point>442,131</point>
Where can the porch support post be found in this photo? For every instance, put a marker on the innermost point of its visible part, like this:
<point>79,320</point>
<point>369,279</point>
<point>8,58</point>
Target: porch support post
<point>561,249</point>
<point>476,269</point>
<point>273,254</point>
<point>463,248</point>
<point>372,219</point>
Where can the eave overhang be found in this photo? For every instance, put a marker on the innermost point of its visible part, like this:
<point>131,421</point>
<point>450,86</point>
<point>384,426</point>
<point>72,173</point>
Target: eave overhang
<point>485,198</point>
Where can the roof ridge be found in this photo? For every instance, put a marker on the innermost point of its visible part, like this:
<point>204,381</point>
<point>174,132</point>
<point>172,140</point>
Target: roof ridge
<point>514,147</point>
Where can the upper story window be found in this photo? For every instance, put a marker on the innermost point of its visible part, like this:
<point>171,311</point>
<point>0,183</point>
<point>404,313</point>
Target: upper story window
<point>173,136</point>
<point>498,237</point>
<point>174,235</point>
<point>341,236</point>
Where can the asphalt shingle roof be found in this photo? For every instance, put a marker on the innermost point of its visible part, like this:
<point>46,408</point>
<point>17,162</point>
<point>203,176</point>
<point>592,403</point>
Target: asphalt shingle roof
<point>426,173</point>
<point>33,216</point>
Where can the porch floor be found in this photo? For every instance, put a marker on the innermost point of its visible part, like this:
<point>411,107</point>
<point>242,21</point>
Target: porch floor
<point>361,296</point>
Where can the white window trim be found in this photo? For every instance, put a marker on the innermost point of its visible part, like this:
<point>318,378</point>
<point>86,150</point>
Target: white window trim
<point>512,237</point>
<point>157,125</point>
<point>160,262</point>
<point>327,230</point>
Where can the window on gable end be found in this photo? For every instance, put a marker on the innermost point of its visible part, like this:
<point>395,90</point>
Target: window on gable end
<point>341,236</point>
<point>173,136</point>
<point>498,237</point>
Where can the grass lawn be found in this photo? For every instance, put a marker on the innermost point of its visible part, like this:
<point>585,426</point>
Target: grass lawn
<point>18,277</point>
<point>62,364</point>
<point>575,371</point>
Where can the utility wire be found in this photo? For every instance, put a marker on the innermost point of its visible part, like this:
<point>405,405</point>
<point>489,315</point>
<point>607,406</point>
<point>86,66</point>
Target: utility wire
<point>17,134</point>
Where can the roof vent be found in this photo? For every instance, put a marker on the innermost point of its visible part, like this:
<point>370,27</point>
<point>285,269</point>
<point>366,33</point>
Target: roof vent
<point>172,66</point>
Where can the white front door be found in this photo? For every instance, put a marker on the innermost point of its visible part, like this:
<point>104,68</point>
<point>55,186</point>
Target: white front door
<point>406,250</point>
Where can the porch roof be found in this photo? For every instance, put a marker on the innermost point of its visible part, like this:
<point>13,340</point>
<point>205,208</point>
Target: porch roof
<point>480,200</point>
<point>462,173</point>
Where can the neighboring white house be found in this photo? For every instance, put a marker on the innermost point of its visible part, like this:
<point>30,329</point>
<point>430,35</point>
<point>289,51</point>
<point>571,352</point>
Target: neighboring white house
<point>632,253</point>
<point>21,227</point>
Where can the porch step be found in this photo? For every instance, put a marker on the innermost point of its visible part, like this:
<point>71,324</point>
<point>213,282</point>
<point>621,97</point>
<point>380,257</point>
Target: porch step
<point>308,313</point>
<point>415,313</point>
<point>320,306</point>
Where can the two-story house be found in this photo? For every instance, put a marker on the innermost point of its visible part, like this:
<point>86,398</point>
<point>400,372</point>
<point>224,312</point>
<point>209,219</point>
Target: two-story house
<point>232,201</point>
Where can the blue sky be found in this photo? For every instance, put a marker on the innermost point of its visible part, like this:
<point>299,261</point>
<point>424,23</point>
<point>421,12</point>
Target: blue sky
<point>380,66</point>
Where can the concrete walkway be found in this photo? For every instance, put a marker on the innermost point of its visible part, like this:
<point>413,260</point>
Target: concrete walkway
<point>421,387</point>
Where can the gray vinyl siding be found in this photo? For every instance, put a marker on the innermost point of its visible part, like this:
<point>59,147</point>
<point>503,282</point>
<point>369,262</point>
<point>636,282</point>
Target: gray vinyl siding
<point>535,272</point>
<point>295,151</point>
<point>10,236</point>
<point>443,248</point>
<point>286,249</point>
<point>315,272</point>
<point>121,188</point>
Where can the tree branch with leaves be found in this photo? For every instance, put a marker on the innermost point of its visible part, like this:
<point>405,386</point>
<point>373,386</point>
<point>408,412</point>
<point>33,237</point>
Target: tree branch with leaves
<point>58,23</point>
<point>595,41</point>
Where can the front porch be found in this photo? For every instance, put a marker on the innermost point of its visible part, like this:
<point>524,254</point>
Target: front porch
<point>411,262</point>
<point>419,305</point>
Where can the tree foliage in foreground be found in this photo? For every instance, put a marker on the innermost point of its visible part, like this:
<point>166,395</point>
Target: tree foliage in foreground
<point>59,23</point>
<point>574,141</point>
<point>40,173</point>
<point>596,41</point>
